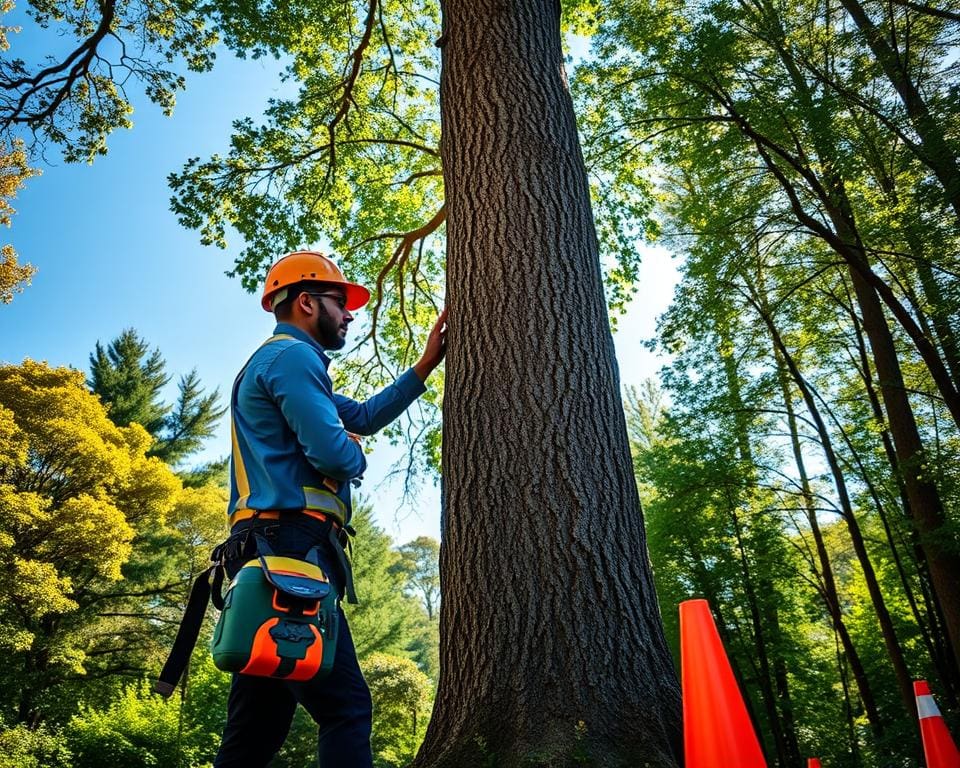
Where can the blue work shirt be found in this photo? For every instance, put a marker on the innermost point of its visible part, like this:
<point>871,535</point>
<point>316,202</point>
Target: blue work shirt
<point>291,450</point>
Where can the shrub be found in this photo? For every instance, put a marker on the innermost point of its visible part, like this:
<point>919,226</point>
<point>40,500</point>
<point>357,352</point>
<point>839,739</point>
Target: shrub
<point>21,747</point>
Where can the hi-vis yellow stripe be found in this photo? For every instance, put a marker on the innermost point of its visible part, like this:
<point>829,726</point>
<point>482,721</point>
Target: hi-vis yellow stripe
<point>239,470</point>
<point>289,566</point>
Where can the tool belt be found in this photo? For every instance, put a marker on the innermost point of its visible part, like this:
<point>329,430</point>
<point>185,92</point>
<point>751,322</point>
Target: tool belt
<point>278,617</point>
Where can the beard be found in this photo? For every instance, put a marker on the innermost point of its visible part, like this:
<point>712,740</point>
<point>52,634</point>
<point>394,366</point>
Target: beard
<point>328,331</point>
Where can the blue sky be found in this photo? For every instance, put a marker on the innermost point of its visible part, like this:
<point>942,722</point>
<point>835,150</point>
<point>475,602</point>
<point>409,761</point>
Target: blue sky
<point>111,255</point>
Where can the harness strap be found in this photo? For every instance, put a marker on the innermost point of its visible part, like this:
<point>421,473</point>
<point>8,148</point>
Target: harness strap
<point>337,539</point>
<point>273,514</point>
<point>210,581</point>
<point>338,535</point>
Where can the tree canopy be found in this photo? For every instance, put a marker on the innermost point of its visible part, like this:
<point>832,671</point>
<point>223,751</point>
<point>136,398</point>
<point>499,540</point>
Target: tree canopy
<point>77,94</point>
<point>76,488</point>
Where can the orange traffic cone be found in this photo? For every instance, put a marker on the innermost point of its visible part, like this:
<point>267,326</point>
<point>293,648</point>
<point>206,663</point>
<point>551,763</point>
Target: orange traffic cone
<point>717,732</point>
<point>813,762</point>
<point>938,747</point>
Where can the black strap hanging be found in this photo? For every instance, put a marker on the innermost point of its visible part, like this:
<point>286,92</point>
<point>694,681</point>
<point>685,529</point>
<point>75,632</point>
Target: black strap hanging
<point>206,584</point>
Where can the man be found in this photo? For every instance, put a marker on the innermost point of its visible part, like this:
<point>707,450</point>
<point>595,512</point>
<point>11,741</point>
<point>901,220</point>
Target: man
<point>295,453</point>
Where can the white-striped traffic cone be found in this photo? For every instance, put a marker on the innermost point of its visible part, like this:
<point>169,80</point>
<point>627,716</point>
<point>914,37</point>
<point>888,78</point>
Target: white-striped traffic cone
<point>938,747</point>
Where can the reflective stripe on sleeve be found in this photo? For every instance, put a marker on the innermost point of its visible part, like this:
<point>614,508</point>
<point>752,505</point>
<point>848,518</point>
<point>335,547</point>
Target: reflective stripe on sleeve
<point>927,707</point>
<point>326,502</point>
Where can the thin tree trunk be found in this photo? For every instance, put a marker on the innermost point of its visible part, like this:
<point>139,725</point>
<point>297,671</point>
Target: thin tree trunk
<point>932,625</point>
<point>828,583</point>
<point>940,315</point>
<point>551,644</point>
<point>892,644</point>
<point>702,586</point>
<point>922,493</point>
<point>843,238</point>
<point>764,677</point>
<point>847,705</point>
<point>924,498</point>
<point>780,722</point>
<point>782,683</point>
<point>934,151</point>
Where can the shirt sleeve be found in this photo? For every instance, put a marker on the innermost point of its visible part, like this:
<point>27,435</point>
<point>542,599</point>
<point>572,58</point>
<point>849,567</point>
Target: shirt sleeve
<point>298,382</point>
<point>374,414</point>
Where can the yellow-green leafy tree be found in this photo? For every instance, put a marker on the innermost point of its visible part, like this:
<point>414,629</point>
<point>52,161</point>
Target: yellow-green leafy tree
<point>75,492</point>
<point>14,171</point>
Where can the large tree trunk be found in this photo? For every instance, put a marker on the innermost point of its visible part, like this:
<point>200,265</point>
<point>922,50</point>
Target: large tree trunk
<point>551,644</point>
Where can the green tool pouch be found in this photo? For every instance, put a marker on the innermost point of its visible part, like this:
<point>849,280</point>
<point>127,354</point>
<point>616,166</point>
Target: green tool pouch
<point>279,619</point>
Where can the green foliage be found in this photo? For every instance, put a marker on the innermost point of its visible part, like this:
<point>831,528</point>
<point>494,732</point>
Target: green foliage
<point>14,171</point>
<point>386,620</point>
<point>98,541</point>
<point>205,704</point>
<point>401,708</point>
<point>137,728</point>
<point>420,564</point>
<point>789,159</point>
<point>22,747</point>
<point>128,384</point>
<point>128,378</point>
<point>300,747</point>
<point>352,161</point>
<point>76,100</point>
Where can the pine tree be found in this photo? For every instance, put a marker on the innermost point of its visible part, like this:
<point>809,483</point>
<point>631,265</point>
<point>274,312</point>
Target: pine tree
<point>129,377</point>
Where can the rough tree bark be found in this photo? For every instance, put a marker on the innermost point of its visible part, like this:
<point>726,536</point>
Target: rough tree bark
<point>551,645</point>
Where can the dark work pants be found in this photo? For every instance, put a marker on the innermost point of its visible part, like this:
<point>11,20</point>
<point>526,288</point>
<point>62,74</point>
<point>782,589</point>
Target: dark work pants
<point>260,710</point>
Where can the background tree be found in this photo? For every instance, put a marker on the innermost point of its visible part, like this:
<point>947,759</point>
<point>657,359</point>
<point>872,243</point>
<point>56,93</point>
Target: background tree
<point>811,378</point>
<point>403,696</point>
<point>77,97</point>
<point>420,563</point>
<point>14,171</point>
<point>129,379</point>
<point>134,729</point>
<point>75,488</point>
<point>386,620</point>
<point>21,747</point>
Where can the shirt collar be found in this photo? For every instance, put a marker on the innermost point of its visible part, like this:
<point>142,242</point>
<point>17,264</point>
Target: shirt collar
<point>302,335</point>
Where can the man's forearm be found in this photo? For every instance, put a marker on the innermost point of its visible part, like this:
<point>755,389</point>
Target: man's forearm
<point>423,369</point>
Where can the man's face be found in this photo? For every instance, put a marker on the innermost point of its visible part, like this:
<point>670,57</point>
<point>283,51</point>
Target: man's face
<point>332,318</point>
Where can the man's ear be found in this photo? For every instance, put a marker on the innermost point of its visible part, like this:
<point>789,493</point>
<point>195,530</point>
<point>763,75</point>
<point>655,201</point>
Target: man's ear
<point>303,299</point>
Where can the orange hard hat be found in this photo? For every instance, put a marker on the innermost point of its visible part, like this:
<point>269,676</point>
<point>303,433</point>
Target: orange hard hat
<point>309,265</point>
